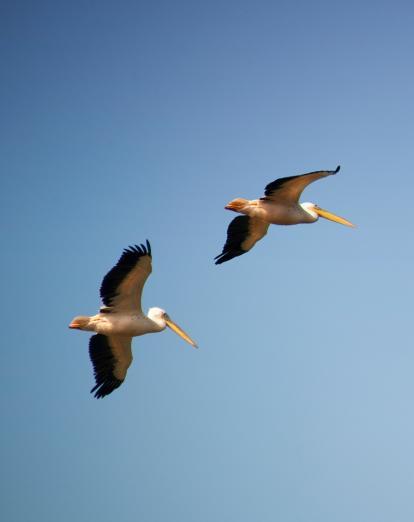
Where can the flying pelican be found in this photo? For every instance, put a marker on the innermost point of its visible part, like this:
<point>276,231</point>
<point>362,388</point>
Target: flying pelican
<point>279,206</point>
<point>121,319</point>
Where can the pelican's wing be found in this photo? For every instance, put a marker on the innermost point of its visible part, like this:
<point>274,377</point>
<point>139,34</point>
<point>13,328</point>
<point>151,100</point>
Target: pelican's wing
<point>122,286</point>
<point>289,189</point>
<point>242,234</point>
<point>111,357</point>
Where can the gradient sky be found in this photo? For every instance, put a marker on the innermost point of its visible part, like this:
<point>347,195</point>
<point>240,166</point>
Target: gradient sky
<point>123,121</point>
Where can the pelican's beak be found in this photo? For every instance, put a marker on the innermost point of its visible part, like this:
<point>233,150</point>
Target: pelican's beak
<point>175,328</point>
<point>332,217</point>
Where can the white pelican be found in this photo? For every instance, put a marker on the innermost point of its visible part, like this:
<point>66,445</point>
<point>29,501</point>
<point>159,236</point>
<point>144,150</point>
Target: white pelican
<point>279,206</point>
<point>121,319</point>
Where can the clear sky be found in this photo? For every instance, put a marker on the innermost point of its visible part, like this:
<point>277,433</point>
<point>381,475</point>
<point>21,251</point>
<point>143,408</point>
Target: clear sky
<point>123,121</point>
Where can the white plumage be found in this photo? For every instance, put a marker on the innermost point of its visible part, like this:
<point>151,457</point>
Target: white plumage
<point>121,318</point>
<point>279,206</point>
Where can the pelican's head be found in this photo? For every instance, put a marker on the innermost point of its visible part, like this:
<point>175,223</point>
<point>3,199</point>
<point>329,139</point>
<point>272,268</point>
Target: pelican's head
<point>317,212</point>
<point>237,205</point>
<point>160,316</point>
<point>80,322</point>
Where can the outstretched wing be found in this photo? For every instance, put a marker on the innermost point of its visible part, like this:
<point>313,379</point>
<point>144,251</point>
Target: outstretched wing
<point>289,189</point>
<point>111,357</point>
<point>242,234</point>
<point>122,286</point>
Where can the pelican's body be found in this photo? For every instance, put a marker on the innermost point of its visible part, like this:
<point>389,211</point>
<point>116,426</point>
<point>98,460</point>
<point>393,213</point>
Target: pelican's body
<point>132,325</point>
<point>121,319</point>
<point>279,206</point>
<point>275,213</point>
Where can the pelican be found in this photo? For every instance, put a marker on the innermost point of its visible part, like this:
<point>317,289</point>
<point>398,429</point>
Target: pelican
<point>279,206</point>
<point>121,319</point>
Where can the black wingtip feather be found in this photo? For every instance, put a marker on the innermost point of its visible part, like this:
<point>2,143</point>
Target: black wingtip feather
<point>222,258</point>
<point>237,232</point>
<point>128,260</point>
<point>278,183</point>
<point>103,363</point>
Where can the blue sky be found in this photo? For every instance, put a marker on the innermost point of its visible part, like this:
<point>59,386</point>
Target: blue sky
<point>134,120</point>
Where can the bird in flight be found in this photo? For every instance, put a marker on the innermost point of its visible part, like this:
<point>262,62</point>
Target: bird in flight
<point>279,206</point>
<point>121,318</point>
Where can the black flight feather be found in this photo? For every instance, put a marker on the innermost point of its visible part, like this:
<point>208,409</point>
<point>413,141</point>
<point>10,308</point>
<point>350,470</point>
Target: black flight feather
<point>125,264</point>
<point>237,232</point>
<point>103,363</point>
<point>278,183</point>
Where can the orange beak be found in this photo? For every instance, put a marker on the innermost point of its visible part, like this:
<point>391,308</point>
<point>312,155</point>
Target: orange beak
<point>178,330</point>
<point>332,217</point>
